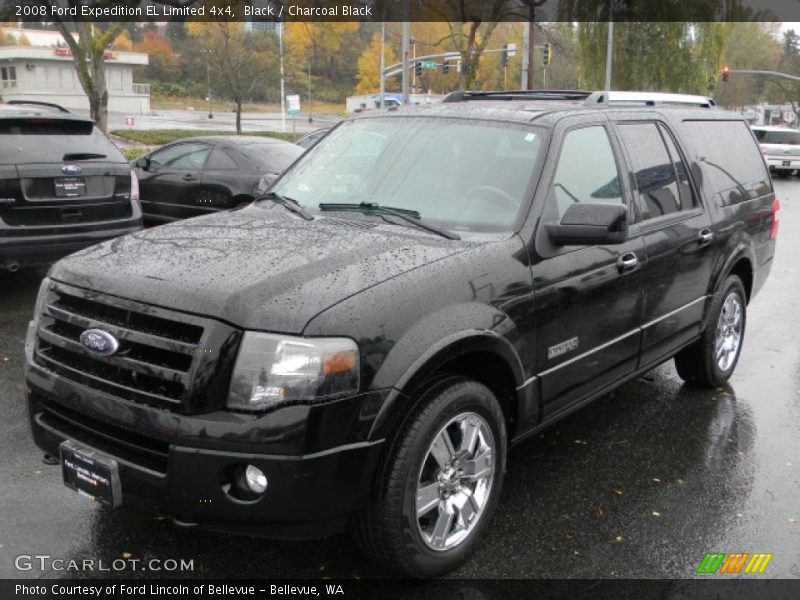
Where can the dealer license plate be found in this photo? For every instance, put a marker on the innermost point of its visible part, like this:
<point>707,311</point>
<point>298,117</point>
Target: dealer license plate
<point>90,473</point>
<point>70,187</point>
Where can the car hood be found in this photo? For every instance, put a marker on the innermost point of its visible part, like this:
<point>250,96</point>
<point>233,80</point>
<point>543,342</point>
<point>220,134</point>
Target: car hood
<point>258,268</point>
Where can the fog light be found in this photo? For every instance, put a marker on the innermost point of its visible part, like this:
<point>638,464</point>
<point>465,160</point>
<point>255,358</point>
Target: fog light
<point>255,479</point>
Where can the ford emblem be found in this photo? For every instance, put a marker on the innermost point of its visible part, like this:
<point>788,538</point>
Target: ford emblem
<point>99,342</point>
<point>71,169</point>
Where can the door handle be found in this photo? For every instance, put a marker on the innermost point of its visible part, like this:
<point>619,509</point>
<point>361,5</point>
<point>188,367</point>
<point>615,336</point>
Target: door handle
<point>705,237</point>
<point>189,177</point>
<point>627,262</point>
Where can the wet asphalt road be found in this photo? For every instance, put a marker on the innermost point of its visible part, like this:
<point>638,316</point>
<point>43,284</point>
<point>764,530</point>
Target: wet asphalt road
<point>641,483</point>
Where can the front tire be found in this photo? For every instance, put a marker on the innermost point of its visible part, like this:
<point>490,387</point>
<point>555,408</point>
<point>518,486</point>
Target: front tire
<point>711,360</point>
<point>440,484</point>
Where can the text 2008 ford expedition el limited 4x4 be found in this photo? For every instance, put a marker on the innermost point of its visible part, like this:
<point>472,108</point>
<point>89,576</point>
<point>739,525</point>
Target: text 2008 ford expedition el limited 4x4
<point>419,291</point>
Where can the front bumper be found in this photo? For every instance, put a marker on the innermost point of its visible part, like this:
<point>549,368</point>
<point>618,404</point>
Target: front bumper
<point>182,465</point>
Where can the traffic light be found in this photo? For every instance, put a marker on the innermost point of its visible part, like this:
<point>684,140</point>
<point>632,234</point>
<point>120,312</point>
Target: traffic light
<point>504,56</point>
<point>418,69</point>
<point>445,67</point>
<point>548,55</point>
<point>726,73</point>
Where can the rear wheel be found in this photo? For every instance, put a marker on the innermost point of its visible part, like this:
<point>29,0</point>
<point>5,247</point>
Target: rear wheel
<point>712,359</point>
<point>441,482</point>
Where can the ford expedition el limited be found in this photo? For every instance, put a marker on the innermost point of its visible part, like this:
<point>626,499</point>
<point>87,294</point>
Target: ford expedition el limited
<point>358,349</point>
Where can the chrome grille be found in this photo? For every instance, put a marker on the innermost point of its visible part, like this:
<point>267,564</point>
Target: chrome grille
<point>163,355</point>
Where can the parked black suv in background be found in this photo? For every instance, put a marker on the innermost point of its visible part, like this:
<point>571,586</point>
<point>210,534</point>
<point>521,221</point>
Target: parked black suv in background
<point>63,185</point>
<point>419,291</point>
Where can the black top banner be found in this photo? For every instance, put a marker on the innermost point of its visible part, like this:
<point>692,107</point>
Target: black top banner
<point>399,10</point>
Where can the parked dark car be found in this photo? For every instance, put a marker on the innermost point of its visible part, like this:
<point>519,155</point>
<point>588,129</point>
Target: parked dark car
<point>312,138</point>
<point>416,293</point>
<point>202,175</point>
<point>63,185</point>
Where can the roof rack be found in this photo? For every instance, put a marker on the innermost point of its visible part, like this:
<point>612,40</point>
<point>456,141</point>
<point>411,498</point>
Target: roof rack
<point>518,95</point>
<point>649,99</point>
<point>37,103</point>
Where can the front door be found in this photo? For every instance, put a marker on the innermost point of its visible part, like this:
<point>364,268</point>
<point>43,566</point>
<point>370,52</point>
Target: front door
<point>588,299</point>
<point>171,185</point>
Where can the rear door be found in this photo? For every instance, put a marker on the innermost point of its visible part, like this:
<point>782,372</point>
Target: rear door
<point>588,302</point>
<point>171,187</point>
<point>678,239</point>
<point>223,179</point>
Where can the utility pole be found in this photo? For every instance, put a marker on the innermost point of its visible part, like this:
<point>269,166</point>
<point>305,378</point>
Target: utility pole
<point>208,82</point>
<point>531,49</point>
<point>283,95</point>
<point>383,64</point>
<point>406,35</point>
<point>526,44</point>
<point>609,53</point>
<point>310,119</point>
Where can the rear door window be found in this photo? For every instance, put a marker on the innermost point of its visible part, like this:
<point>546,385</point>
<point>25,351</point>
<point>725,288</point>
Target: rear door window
<point>660,174</point>
<point>220,161</point>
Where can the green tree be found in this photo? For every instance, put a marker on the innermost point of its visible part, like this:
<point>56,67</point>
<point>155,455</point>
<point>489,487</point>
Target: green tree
<point>750,46</point>
<point>88,54</point>
<point>670,56</point>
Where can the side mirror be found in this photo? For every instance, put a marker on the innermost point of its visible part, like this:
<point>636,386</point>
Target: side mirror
<point>142,163</point>
<point>590,224</point>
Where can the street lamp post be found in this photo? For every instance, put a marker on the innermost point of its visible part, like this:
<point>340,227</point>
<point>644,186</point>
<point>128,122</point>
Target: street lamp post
<point>208,82</point>
<point>310,119</point>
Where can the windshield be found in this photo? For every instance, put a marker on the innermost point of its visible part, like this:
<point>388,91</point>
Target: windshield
<point>462,175</point>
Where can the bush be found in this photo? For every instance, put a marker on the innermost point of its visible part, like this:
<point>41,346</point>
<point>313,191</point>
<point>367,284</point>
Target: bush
<point>134,152</point>
<point>159,137</point>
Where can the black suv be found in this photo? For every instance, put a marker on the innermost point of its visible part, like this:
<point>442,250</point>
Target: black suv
<point>63,185</point>
<point>418,292</point>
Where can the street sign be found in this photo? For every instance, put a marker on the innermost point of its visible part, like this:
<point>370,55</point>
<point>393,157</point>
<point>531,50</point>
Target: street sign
<point>789,116</point>
<point>293,105</point>
<point>427,64</point>
<point>511,49</point>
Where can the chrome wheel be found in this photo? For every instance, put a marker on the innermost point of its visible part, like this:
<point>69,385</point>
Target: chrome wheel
<point>455,481</point>
<point>729,332</point>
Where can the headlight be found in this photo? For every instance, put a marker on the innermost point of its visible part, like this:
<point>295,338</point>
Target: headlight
<point>44,288</point>
<point>273,369</point>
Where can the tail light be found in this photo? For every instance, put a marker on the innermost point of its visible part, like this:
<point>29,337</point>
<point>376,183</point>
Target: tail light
<point>773,228</point>
<point>134,186</point>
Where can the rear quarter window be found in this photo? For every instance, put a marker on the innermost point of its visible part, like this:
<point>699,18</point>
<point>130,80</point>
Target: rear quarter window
<point>726,160</point>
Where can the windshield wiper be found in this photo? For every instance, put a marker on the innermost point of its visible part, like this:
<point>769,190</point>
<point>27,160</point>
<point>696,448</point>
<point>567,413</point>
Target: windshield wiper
<point>82,156</point>
<point>289,203</point>
<point>409,216</point>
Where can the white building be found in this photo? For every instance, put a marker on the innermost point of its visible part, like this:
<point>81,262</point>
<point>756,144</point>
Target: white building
<point>45,72</point>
